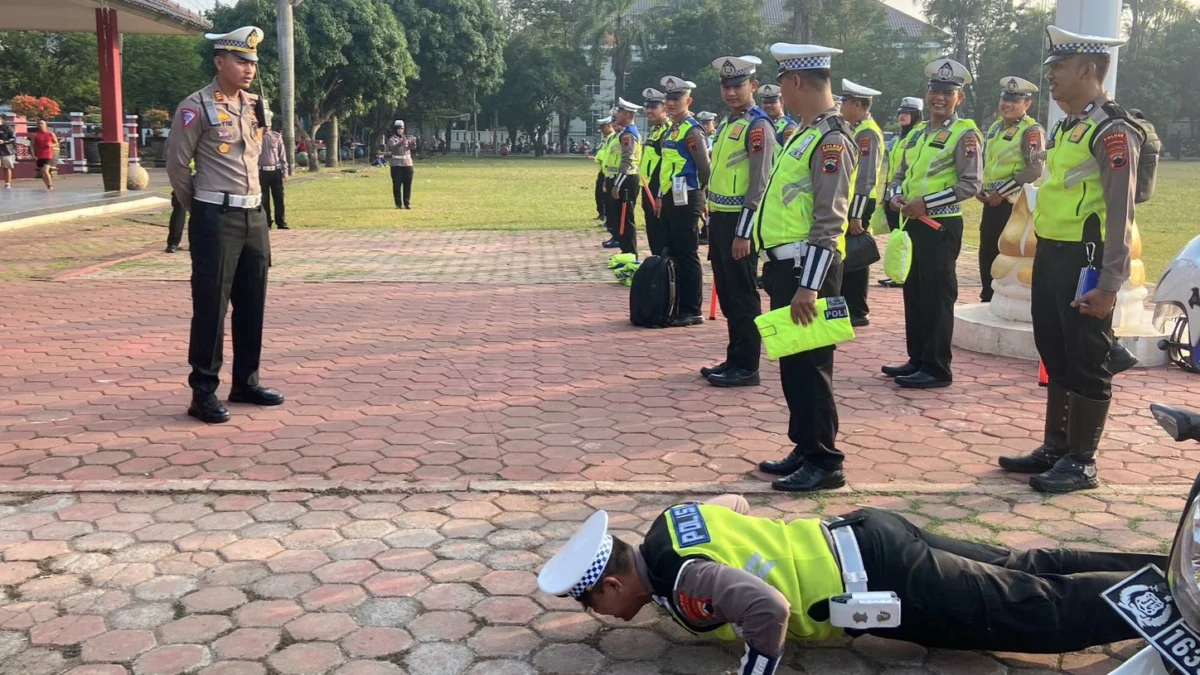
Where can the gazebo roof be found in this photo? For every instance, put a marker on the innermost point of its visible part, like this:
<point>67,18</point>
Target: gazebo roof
<point>160,17</point>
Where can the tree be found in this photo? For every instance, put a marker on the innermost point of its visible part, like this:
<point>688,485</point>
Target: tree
<point>976,25</point>
<point>612,29</point>
<point>61,66</point>
<point>147,84</point>
<point>542,78</point>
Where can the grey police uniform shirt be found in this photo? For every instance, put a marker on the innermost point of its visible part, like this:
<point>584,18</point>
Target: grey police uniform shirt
<point>1033,146</point>
<point>400,147</point>
<point>968,164</point>
<point>870,157</point>
<point>1120,186</point>
<point>759,155</point>
<point>629,144</point>
<point>697,145</point>
<point>226,152</point>
<point>273,154</point>
<point>831,184</point>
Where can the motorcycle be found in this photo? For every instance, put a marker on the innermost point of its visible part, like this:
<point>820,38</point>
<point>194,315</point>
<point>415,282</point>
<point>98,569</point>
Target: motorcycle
<point>1165,608</point>
<point>1177,308</point>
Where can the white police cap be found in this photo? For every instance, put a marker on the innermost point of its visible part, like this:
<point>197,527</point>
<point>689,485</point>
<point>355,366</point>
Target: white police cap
<point>243,41</point>
<point>605,120</point>
<point>947,74</point>
<point>1061,44</point>
<point>399,123</point>
<point>676,87</point>
<point>770,92</point>
<point>802,57</point>
<point>857,90</point>
<point>622,104</point>
<point>735,69</point>
<point>1014,87</point>
<point>576,568</point>
<point>705,116</point>
<point>912,103</point>
<point>653,95</point>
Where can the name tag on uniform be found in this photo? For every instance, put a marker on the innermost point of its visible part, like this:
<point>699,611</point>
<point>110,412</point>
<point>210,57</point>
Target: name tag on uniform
<point>1008,135</point>
<point>1077,133</point>
<point>224,133</point>
<point>679,190</point>
<point>736,132</point>
<point>801,147</point>
<point>939,141</point>
<point>688,523</point>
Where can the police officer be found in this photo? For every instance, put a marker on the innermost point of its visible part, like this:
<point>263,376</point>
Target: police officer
<point>273,173</point>
<point>610,163</point>
<point>1013,156</point>
<point>1083,222</point>
<point>868,138</point>
<point>221,127</point>
<point>909,115</point>
<point>656,117</point>
<point>623,189</point>
<point>800,227</point>
<point>400,163</point>
<point>741,161</point>
<point>683,175</point>
<point>717,570</point>
<point>772,104</point>
<point>601,153</point>
<point>939,169</point>
<point>708,122</point>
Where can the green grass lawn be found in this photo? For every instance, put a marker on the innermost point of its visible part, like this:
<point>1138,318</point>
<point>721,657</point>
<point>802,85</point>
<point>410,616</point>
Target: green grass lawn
<point>552,194</point>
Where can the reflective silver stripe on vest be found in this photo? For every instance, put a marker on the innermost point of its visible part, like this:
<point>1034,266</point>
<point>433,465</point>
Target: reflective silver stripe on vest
<point>737,157</point>
<point>793,190</point>
<point>1081,173</point>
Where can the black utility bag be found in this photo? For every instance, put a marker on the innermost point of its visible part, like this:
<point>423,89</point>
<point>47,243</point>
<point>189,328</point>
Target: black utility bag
<point>652,299</point>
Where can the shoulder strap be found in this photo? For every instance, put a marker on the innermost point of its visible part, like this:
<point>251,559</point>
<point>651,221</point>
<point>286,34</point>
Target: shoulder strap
<point>1115,112</point>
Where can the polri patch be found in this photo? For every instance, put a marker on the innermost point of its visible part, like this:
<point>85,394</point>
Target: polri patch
<point>697,610</point>
<point>835,308</point>
<point>831,157</point>
<point>758,140</point>
<point>864,145</point>
<point>1116,145</point>
<point>688,523</point>
<point>971,144</point>
<point>188,116</point>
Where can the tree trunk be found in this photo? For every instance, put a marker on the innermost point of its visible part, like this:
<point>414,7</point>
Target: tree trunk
<point>539,140</point>
<point>331,153</point>
<point>314,155</point>
<point>802,12</point>
<point>449,134</point>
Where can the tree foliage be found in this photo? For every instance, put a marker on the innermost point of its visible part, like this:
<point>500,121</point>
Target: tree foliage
<point>551,78</point>
<point>146,83</point>
<point>61,66</point>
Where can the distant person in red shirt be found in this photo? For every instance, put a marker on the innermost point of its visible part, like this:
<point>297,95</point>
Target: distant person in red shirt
<point>45,147</point>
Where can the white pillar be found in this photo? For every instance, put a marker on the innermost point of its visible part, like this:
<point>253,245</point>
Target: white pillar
<point>1089,17</point>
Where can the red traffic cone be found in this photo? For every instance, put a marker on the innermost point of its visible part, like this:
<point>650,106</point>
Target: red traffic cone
<point>1043,378</point>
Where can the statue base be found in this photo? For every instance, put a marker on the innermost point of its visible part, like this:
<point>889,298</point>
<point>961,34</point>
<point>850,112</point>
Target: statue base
<point>977,329</point>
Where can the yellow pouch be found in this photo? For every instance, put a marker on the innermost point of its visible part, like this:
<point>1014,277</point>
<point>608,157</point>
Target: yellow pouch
<point>783,337</point>
<point>897,259</point>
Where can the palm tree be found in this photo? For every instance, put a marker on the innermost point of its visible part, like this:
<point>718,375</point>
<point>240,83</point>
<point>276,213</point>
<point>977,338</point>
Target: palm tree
<point>612,29</point>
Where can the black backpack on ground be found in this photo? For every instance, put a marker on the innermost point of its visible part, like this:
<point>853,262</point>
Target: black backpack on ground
<point>652,299</point>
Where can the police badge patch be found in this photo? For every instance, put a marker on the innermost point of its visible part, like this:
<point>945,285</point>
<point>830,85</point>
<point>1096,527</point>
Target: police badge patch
<point>831,156</point>
<point>1116,145</point>
<point>864,146</point>
<point>188,116</point>
<point>758,139</point>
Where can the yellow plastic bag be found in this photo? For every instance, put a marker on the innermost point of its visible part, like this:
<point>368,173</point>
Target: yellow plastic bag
<point>897,259</point>
<point>783,337</point>
<point>878,224</point>
<point>621,259</point>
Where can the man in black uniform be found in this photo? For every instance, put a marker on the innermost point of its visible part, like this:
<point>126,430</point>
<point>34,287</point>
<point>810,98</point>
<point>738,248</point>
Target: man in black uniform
<point>1083,222</point>
<point>221,127</point>
<point>798,227</point>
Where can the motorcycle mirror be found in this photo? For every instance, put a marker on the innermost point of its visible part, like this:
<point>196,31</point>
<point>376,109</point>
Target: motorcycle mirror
<point>1180,424</point>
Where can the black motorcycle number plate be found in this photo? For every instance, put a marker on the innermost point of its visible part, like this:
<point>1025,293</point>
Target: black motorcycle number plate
<point>1145,602</point>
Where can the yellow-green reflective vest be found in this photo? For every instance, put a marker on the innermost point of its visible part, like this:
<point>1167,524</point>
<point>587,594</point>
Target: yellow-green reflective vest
<point>930,160</point>
<point>602,150</point>
<point>652,155</point>
<point>731,163</point>
<point>897,151</point>
<point>1003,155</point>
<point>794,558</point>
<point>869,124</point>
<point>1072,192</point>
<point>612,154</point>
<point>676,158</point>
<point>785,215</point>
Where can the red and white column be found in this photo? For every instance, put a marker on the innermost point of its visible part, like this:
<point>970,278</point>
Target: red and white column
<point>131,137</point>
<point>78,158</point>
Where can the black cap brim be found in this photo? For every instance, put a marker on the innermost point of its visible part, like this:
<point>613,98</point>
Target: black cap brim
<point>735,80</point>
<point>1015,96</point>
<point>940,85</point>
<point>653,104</point>
<point>676,95</point>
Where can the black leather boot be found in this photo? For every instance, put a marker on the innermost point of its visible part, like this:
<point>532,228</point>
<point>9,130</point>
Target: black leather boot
<point>1054,442</point>
<point>1120,359</point>
<point>1077,470</point>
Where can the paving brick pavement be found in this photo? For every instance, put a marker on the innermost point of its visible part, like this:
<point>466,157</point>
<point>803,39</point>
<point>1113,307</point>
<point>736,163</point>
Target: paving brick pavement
<point>433,583</point>
<point>483,376</point>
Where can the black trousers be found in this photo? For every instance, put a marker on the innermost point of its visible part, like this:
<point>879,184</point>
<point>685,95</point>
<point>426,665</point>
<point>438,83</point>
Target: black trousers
<point>930,293</point>
<point>855,282</point>
<point>961,595</point>
<point>991,225</point>
<point>736,291</point>
<point>623,207</point>
<point>683,246</point>
<point>231,253</point>
<point>808,376</point>
<point>175,225</point>
<point>272,191</point>
<point>656,235</point>
<point>601,197</point>
<point>1073,347</point>
<point>402,177</point>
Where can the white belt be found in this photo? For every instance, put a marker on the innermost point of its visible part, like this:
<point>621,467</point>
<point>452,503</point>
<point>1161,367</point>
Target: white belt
<point>786,252</point>
<point>235,201</point>
<point>269,168</point>
<point>854,572</point>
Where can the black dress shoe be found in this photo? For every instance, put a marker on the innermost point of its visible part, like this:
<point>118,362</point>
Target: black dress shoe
<point>888,283</point>
<point>859,321</point>
<point>900,371</point>
<point>611,243</point>
<point>256,395</point>
<point>714,370</point>
<point>284,227</point>
<point>784,467</point>
<point>734,377</point>
<point>921,380</point>
<point>809,479</point>
<point>685,321</point>
<point>207,409</point>
<point>407,207</point>
<point>172,249</point>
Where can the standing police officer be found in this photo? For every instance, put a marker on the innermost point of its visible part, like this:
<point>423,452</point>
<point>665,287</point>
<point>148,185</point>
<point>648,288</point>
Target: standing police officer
<point>741,161</point>
<point>683,175</point>
<point>656,117</point>
<point>785,126</point>
<point>799,227</point>
<point>273,173</point>
<point>939,169</point>
<point>221,127</point>
<point>624,188</point>
<point>868,138</point>
<point>909,115</point>
<point>1083,222</point>
<point>1013,156</point>
<point>601,154</point>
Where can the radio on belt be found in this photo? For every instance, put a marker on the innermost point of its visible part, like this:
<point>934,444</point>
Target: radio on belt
<point>870,609</point>
<point>858,607</point>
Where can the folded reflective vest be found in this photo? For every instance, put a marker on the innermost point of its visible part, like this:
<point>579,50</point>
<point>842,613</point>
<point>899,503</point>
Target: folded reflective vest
<point>783,337</point>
